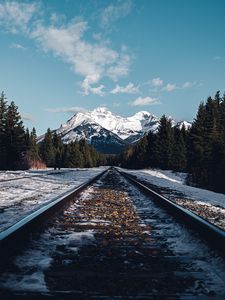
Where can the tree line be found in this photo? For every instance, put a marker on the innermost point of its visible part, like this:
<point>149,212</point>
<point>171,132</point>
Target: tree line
<point>77,154</point>
<point>199,150</point>
<point>19,148</point>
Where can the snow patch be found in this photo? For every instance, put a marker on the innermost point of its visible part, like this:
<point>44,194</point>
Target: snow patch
<point>81,238</point>
<point>175,183</point>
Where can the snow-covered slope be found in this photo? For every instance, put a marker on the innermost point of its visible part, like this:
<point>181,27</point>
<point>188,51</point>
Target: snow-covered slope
<point>106,130</point>
<point>123,127</point>
<point>103,139</point>
<point>186,124</point>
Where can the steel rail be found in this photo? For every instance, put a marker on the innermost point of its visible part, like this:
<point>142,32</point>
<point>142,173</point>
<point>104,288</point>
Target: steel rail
<point>11,237</point>
<point>212,234</point>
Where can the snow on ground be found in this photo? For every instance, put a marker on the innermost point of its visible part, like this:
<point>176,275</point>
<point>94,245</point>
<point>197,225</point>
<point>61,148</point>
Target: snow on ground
<point>208,204</point>
<point>175,182</point>
<point>24,191</point>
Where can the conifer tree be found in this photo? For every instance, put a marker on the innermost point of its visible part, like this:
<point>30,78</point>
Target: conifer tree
<point>141,153</point>
<point>165,142</point>
<point>33,149</point>
<point>179,154</point>
<point>152,149</point>
<point>84,149</point>
<point>74,157</point>
<point>27,138</point>
<point>196,146</point>
<point>58,150</point>
<point>15,139</point>
<point>3,111</point>
<point>47,149</point>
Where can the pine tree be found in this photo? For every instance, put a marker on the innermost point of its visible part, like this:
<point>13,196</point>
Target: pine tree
<point>127,156</point>
<point>212,137</point>
<point>151,159</point>
<point>74,157</point>
<point>33,149</point>
<point>196,147</point>
<point>84,149</point>
<point>141,153</point>
<point>164,144</point>
<point>47,149</point>
<point>15,139</point>
<point>179,154</point>
<point>58,150</point>
<point>3,111</point>
<point>27,138</point>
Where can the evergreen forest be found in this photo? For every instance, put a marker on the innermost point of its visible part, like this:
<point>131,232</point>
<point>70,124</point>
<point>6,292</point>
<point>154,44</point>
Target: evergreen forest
<point>199,150</point>
<point>19,148</point>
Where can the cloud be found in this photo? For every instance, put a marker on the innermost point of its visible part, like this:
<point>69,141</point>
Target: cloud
<point>157,82</point>
<point>73,109</point>
<point>91,60</point>
<point>144,101</point>
<point>120,68</point>
<point>26,116</point>
<point>114,12</point>
<point>18,46</point>
<point>130,88</point>
<point>218,58</point>
<point>15,16</point>
<point>188,84</point>
<point>97,90</point>
<point>87,85</point>
<point>170,87</point>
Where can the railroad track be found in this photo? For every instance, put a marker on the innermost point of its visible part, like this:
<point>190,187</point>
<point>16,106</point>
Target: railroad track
<point>112,241</point>
<point>211,233</point>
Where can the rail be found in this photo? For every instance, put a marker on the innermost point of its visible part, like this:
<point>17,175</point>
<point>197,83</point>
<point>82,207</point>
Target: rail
<point>21,230</point>
<point>211,233</point>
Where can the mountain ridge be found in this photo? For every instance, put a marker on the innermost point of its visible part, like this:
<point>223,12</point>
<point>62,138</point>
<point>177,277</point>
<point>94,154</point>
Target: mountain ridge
<point>109,132</point>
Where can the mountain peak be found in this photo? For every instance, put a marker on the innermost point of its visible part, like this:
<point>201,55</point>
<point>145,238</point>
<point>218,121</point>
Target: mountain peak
<point>100,109</point>
<point>100,127</point>
<point>142,114</point>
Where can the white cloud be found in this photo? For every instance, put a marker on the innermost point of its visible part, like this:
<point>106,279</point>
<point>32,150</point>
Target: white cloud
<point>157,82</point>
<point>26,116</point>
<point>15,16</point>
<point>188,84</point>
<point>130,88</point>
<point>91,60</point>
<point>120,68</point>
<point>87,85</point>
<point>73,109</point>
<point>170,87</point>
<point>18,46</point>
<point>114,12</point>
<point>97,90</point>
<point>144,101</point>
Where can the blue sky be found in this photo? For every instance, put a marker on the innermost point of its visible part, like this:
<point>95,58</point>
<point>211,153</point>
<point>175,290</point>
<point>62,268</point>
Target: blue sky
<point>59,57</point>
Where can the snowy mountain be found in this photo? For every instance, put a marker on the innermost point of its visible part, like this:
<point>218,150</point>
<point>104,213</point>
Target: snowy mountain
<point>103,139</point>
<point>186,125</point>
<point>108,132</point>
